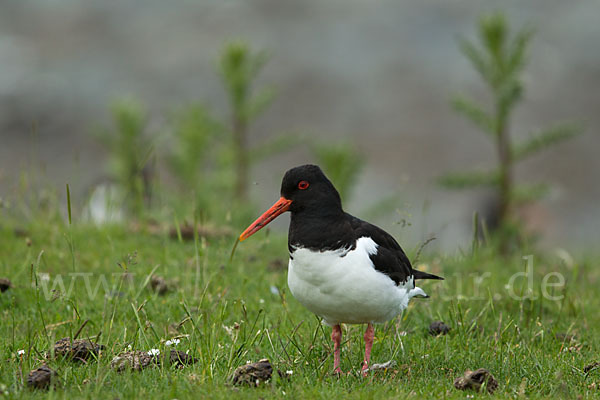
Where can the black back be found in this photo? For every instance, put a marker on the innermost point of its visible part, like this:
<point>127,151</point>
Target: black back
<point>319,223</point>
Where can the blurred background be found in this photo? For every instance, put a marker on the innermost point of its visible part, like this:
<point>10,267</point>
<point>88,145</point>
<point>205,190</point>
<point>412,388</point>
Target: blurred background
<point>371,80</point>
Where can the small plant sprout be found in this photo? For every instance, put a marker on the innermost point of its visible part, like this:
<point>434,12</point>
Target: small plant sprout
<point>195,135</point>
<point>500,61</point>
<point>239,67</point>
<point>130,154</point>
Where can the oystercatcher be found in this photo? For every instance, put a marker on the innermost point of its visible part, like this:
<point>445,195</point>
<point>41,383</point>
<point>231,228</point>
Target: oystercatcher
<point>341,268</point>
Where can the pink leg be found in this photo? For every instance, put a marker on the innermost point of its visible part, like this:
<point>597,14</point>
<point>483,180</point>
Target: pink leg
<point>336,336</point>
<point>369,335</point>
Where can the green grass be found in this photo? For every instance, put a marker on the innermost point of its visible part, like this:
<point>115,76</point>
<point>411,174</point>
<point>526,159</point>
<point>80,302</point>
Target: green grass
<point>514,339</point>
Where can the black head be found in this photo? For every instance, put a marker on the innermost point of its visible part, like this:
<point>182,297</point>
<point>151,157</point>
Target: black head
<point>306,192</point>
<point>310,191</point>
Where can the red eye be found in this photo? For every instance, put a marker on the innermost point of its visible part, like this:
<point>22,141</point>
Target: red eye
<point>303,185</point>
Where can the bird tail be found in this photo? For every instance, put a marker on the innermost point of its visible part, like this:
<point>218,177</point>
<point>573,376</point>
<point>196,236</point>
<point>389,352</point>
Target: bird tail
<point>424,275</point>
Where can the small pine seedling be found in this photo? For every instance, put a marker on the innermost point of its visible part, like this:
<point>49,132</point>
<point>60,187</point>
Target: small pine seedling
<point>500,60</point>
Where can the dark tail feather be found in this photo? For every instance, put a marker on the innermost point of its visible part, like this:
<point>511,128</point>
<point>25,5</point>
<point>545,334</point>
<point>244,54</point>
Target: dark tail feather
<point>424,275</point>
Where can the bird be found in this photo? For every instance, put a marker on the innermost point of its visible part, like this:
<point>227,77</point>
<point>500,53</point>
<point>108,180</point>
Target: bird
<point>341,268</point>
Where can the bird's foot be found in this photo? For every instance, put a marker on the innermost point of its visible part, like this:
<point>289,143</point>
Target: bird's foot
<point>338,372</point>
<point>364,371</point>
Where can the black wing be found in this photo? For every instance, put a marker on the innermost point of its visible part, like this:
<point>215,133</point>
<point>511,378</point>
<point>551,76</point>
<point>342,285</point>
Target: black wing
<point>390,258</point>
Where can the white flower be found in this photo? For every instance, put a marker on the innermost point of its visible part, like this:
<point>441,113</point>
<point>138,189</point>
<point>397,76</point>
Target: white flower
<point>172,342</point>
<point>154,352</point>
<point>129,347</point>
<point>21,352</point>
<point>261,301</point>
<point>289,372</point>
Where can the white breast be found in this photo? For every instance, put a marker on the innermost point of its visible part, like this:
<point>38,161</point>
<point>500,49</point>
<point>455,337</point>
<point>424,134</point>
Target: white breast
<point>346,289</point>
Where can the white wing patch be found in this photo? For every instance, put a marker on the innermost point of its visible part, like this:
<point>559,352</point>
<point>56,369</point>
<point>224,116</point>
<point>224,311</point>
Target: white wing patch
<point>367,244</point>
